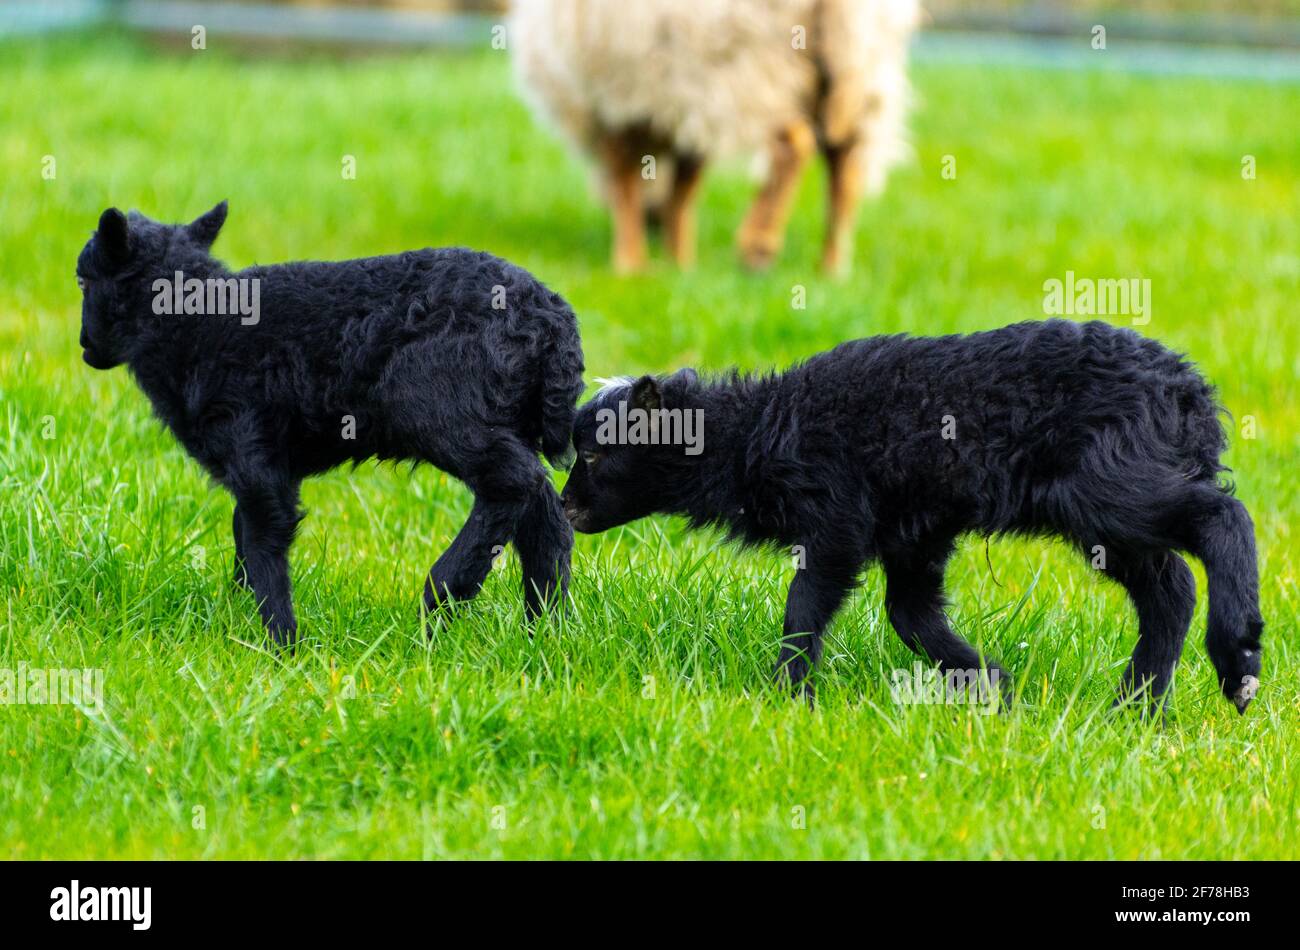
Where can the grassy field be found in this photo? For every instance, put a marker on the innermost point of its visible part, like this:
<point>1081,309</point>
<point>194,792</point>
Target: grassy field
<point>642,724</point>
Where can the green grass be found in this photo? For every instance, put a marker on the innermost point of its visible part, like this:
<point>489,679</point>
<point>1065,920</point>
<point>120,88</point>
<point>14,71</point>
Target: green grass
<point>642,725</point>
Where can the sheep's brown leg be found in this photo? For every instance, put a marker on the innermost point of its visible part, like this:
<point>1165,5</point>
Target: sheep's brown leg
<point>844,163</point>
<point>763,230</point>
<point>679,222</point>
<point>622,166</point>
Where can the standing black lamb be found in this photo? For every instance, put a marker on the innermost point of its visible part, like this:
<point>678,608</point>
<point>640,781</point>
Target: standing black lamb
<point>270,374</point>
<point>887,449</point>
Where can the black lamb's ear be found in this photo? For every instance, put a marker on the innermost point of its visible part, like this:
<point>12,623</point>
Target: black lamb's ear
<point>114,235</point>
<point>205,228</point>
<point>673,390</point>
<point>646,394</point>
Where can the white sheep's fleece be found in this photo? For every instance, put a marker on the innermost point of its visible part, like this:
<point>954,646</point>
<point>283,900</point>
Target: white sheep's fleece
<point>717,77</point>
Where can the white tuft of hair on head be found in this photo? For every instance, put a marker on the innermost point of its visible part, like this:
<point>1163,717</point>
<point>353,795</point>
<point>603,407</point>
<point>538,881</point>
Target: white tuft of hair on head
<point>608,386</point>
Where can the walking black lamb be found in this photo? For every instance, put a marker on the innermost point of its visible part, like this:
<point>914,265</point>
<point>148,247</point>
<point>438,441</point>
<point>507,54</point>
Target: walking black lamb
<point>270,374</point>
<point>887,449</point>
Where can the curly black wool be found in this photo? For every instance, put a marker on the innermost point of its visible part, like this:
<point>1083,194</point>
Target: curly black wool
<point>446,356</point>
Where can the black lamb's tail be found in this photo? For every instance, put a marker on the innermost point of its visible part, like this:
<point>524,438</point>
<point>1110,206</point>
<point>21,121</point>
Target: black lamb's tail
<point>561,386</point>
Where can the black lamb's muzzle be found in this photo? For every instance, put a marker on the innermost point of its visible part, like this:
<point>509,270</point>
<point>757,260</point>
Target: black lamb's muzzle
<point>96,360</point>
<point>579,519</point>
<point>91,354</point>
<point>593,520</point>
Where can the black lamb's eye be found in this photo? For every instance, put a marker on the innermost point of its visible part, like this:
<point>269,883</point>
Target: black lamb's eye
<point>590,458</point>
<point>81,283</point>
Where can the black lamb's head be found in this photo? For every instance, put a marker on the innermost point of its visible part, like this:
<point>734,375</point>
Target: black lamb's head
<point>633,440</point>
<point>115,269</point>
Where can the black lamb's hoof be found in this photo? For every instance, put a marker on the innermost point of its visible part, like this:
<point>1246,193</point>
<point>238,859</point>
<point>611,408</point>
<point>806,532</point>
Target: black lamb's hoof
<point>795,679</point>
<point>437,610</point>
<point>547,601</point>
<point>1244,693</point>
<point>442,594</point>
<point>284,637</point>
<point>1145,709</point>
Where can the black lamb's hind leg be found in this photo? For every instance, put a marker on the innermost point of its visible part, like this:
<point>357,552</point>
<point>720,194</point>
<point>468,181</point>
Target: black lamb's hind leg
<point>1163,592</point>
<point>1222,535</point>
<point>268,510</point>
<point>544,540</point>
<point>816,594</point>
<point>915,603</point>
<point>241,568</point>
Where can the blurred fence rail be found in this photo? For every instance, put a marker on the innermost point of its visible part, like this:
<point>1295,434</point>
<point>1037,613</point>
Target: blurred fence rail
<point>410,23</point>
<point>1238,22</point>
<point>1273,23</point>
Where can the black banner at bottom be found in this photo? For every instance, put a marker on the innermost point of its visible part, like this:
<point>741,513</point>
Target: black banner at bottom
<point>1224,900</point>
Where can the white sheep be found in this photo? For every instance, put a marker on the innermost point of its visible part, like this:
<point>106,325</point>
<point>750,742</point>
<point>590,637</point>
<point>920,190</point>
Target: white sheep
<point>687,81</point>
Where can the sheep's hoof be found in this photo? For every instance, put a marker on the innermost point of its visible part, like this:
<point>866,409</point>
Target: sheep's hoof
<point>628,262</point>
<point>836,267</point>
<point>757,258</point>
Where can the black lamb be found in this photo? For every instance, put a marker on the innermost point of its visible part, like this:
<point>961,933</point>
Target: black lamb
<point>270,374</point>
<point>887,449</point>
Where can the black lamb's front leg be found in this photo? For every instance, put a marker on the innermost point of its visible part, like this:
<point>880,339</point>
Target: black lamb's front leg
<point>241,569</point>
<point>915,604</point>
<point>267,515</point>
<point>507,480</point>
<point>815,596</point>
<point>460,571</point>
<point>544,540</point>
